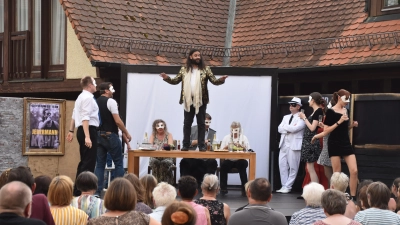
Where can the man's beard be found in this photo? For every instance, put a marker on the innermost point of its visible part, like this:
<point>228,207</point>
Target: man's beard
<point>195,62</point>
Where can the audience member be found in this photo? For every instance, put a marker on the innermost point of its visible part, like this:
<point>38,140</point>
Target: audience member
<point>15,205</point>
<point>42,184</point>
<point>246,187</point>
<point>187,189</point>
<point>140,206</point>
<point>362,193</point>
<point>120,201</point>
<point>395,196</point>
<point>395,188</point>
<point>4,177</point>
<point>219,212</point>
<point>149,182</point>
<point>334,204</point>
<point>179,213</point>
<point>164,194</point>
<point>40,205</point>
<point>378,195</point>
<point>60,198</point>
<point>313,211</point>
<point>162,167</point>
<point>258,211</point>
<point>86,183</point>
<point>363,200</point>
<point>340,181</point>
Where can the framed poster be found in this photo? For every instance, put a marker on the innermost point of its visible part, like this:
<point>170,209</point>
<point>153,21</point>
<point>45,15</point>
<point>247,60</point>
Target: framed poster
<point>44,122</point>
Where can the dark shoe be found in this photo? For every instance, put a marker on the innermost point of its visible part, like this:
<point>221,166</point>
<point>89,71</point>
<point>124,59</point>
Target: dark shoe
<point>185,148</point>
<point>202,148</point>
<point>223,192</point>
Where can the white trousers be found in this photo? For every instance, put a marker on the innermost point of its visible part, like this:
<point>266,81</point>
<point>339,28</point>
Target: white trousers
<point>289,161</point>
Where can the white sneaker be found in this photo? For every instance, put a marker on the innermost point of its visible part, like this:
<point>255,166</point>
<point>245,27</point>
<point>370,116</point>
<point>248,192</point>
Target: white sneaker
<point>280,190</point>
<point>285,191</point>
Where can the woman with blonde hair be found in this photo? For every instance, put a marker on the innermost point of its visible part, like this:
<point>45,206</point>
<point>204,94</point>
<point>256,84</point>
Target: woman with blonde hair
<point>179,213</point>
<point>140,193</point>
<point>149,182</point>
<point>120,201</point>
<point>60,198</point>
<point>162,167</point>
<point>219,212</point>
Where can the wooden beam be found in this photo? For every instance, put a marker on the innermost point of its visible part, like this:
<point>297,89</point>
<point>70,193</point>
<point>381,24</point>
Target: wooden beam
<point>6,39</point>
<point>71,85</point>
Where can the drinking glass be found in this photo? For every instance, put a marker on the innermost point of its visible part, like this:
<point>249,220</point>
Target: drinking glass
<point>302,111</point>
<point>320,118</point>
<point>230,146</point>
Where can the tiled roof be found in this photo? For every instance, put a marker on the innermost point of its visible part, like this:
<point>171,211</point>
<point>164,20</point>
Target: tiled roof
<point>275,23</point>
<point>191,22</point>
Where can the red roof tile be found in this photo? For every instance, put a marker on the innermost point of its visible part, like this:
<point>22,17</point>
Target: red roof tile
<point>257,22</point>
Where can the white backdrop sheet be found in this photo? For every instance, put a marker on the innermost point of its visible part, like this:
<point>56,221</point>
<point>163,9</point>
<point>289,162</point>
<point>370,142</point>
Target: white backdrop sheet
<point>246,99</point>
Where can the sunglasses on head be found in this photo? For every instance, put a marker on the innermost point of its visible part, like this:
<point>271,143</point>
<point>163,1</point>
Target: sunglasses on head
<point>293,104</point>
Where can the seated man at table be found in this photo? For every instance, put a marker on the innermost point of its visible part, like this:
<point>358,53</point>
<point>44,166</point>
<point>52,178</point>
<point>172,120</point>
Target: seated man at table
<point>237,141</point>
<point>199,167</point>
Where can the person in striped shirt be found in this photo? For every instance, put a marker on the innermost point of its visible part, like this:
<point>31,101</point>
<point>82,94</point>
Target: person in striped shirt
<point>313,211</point>
<point>378,195</point>
<point>60,197</point>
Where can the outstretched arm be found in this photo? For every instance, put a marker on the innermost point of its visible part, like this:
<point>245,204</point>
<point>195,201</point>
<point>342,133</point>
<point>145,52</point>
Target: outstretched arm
<point>213,79</point>
<point>176,80</point>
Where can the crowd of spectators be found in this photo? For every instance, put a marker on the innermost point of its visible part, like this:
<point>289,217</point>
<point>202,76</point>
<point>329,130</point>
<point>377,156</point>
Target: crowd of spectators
<point>130,200</point>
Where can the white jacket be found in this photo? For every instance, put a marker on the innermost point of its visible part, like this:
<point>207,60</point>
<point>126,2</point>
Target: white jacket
<point>293,131</point>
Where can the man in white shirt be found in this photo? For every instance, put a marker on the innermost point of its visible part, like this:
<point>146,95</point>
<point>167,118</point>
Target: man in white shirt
<point>85,117</point>
<point>291,129</point>
<point>194,95</point>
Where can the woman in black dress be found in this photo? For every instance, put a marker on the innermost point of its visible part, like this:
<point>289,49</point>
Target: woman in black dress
<point>310,151</point>
<point>337,124</point>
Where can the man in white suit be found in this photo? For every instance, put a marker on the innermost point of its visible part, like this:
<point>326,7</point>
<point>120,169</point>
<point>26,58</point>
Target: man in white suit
<point>291,129</point>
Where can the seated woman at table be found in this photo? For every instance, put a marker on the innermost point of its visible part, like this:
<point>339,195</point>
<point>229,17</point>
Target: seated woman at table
<point>238,140</point>
<point>162,167</point>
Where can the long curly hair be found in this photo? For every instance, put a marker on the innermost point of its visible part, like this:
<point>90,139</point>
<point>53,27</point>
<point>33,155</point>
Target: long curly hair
<point>155,129</point>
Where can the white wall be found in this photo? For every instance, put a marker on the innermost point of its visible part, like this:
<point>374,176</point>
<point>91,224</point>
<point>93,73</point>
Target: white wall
<point>246,99</point>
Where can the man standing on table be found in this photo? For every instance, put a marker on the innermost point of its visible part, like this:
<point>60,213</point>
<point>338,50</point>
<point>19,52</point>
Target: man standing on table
<point>85,117</point>
<point>199,167</point>
<point>194,95</point>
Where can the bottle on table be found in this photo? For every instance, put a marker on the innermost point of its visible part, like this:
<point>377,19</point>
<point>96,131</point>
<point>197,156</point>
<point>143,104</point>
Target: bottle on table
<point>179,145</point>
<point>215,143</point>
<point>145,139</point>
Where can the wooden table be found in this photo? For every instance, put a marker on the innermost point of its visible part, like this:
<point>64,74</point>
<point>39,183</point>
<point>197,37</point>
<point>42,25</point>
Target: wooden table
<point>134,156</point>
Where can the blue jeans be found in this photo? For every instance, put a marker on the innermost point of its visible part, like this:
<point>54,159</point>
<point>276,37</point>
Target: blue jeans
<point>108,143</point>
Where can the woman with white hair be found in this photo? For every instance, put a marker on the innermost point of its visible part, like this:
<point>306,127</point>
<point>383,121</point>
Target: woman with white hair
<point>313,211</point>
<point>164,194</point>
<point>219,212</point>
<point>239,141</point>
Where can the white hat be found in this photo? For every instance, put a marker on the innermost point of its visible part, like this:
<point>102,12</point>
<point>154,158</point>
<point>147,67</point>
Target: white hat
<point>296,101</point>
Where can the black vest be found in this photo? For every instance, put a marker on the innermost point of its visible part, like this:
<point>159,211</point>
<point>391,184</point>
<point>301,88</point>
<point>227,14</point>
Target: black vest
<point>107,119</point>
